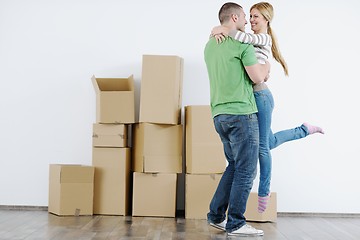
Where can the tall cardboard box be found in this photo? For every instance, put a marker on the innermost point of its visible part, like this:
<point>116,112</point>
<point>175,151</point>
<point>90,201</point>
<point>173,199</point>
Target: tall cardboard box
<point>115,101</point>
<point>204,149</point>
<point>161,89</point>
<point>157,148</point>
<point>270,214</point>
<point>199,190</point>
<point>109,135</point>
<point>154,194</point>
<point>112,181</point>
<point>71,189</point>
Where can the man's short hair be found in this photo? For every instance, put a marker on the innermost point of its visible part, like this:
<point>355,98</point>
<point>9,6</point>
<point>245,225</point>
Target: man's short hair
<point>227,10</point>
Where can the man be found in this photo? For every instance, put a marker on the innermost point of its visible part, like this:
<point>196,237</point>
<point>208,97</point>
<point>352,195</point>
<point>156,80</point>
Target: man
<point>232,69</point>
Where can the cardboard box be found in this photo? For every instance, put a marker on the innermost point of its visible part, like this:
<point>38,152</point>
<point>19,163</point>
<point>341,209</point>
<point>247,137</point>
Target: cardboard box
<point>270,214</point>
<point>204,149</point>
<point>109,135</point>
<point>199,190</point>
<point>71,189</point>
<point>112,181</point>
<point>115,101</point>
<point>154,194</point>
<point>161,89</point>
<point>157,148</point>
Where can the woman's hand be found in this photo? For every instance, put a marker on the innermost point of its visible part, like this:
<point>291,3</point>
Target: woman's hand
<point>219,38</point>
<point>268,75</point>
<point>220,33</point>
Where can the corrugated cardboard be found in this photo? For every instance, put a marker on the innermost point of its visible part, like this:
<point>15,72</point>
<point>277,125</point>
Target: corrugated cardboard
<point>112,181</point>
<point>270,214</point>
<point>157,148</point>
<point>109,135</point>
<point>115,101</point>
<point>199,190</point>
<point>161,89</point>
<point>154,194</point>
<point>71,189</point>
<point>204,149</point>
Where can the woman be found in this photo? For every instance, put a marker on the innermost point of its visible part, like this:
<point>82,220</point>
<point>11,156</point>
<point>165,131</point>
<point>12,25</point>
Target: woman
<point>265,44</point>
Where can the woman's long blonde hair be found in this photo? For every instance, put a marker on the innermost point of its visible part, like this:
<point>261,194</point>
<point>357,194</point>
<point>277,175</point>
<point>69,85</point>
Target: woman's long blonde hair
<point>266,9</point>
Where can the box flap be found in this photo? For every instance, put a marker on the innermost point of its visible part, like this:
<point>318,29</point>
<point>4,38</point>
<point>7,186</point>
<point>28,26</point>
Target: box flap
<point>76,174</point>
<point>113,84</point>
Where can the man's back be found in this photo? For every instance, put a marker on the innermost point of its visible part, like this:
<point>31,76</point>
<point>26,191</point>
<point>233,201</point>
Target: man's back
<point>230,87</point>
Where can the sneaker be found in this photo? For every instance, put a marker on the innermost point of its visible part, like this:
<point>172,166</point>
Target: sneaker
<point>246,230</point>
<point>220,226</point>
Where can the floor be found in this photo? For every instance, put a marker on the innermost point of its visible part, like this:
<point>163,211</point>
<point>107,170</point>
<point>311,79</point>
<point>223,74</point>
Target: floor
<point>40,225</point>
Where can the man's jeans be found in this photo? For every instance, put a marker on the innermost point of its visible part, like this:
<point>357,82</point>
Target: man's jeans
<point>240,137</point>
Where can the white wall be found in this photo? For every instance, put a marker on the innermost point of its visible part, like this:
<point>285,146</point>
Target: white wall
<point>50,49</point>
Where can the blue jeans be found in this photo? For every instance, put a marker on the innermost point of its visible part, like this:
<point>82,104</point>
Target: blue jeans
<point>268,140</point>
<point>240,137</point>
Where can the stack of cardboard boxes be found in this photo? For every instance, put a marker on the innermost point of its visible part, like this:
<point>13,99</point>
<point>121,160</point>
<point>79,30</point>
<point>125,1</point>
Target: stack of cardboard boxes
<point>205,161</point>
<point>157,138</point>
<point>104,187</point>
<point>115,112</point>
<point>147,180</point>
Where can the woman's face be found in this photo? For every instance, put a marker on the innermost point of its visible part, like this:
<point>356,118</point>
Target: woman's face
<point>257,21</point>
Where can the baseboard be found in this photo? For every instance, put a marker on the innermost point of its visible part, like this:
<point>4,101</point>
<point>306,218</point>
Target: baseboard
<point>311,214</point>
<point>23,208</point>
<point>181,213</point>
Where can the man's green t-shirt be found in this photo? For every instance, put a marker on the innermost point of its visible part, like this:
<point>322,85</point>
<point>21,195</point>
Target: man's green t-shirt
<point>231,89</point>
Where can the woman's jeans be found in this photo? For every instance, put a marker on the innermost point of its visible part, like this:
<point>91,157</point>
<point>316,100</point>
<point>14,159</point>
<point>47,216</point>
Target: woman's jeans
<point>268,140</point>
<point>240,137</point>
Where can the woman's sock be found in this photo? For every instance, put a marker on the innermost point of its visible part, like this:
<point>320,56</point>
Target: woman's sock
<point>313,129</point>
<point>262,203</point>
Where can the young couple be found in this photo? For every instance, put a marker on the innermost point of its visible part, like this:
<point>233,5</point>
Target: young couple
<point>242,106</point>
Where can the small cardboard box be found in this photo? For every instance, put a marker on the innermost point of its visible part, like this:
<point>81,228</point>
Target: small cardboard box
<point>204,149</point>
<point>154,194</point>
<point>115,101</point>
<point>270,214</point>
<point>161,89</point>
<point>112,181</point>
<point>199,190</point>
<point>109,135</point>
<point>157,148</point>
<point>71,189</point>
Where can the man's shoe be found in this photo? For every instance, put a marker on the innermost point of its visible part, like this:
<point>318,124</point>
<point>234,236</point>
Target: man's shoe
<point>246,230</point>
<point>220,226</point>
